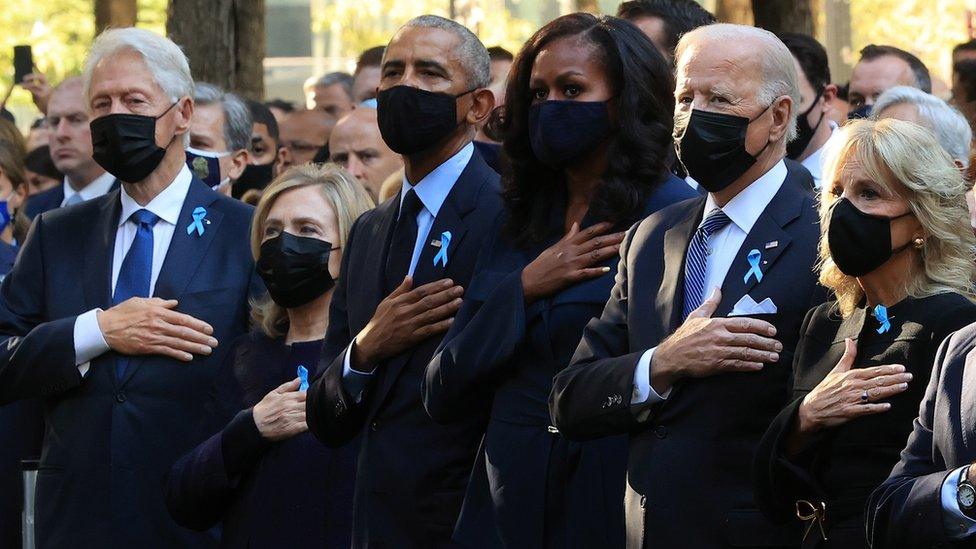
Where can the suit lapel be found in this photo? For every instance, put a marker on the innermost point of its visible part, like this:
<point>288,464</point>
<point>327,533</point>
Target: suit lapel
<point>378,250</point>
<point>100,254</point>
<point>185,252</point>
<point>670,297</point>
<point>447,220</point>
<point>967,412</point>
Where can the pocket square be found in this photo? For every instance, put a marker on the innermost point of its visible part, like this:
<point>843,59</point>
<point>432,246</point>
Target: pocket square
<point>748,306</point>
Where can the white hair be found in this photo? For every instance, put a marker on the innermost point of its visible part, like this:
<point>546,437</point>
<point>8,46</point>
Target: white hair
<point>778,69</point>
<point>166,61</point>
<point>237,117</point>
<point>948,124</point>
<point>473,54</point>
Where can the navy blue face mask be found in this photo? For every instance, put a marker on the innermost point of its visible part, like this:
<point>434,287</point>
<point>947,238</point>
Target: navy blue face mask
<point>863,111</point>
<point>561,132</point>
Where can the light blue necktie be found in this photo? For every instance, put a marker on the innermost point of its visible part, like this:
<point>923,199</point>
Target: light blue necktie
<point>697,258</point>
<point>135,275</point>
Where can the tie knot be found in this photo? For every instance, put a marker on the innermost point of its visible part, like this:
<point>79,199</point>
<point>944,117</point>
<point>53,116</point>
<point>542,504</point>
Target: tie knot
<point>411,204</point>
<point>715,221</point>
<point>144,218</point>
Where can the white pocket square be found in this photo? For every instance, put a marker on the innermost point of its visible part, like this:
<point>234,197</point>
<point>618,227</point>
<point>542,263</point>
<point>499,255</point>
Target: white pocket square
<point>748,306</point>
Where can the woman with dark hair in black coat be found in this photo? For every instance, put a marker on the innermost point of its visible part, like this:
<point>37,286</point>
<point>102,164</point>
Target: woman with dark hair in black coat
<point>586,133</point>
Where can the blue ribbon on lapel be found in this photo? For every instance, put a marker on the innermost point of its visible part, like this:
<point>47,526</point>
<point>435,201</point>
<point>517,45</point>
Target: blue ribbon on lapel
<point>197,224</point>
<point>753,258</point>
<point>442,255</point>
<point>881,313</point>
<point>303,376</point>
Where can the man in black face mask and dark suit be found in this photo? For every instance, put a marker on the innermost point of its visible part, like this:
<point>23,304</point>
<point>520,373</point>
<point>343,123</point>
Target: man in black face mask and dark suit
<point>692,355</point>
<point>404,270</point>
<point>114,310</point>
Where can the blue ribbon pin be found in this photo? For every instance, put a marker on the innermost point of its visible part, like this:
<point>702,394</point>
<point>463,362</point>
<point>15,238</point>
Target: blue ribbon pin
<point>442,255</point>
<point>197,224</point>
<point>753,258</point>
<point>881,313</point>
<point>303,376</point>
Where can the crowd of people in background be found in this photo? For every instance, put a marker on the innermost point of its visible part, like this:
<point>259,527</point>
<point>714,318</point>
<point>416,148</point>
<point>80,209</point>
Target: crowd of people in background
<point>650,281</point>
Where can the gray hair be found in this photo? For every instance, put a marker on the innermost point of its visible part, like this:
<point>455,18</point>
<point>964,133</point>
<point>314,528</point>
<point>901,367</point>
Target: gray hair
<point>332,78</point>
<point>473,54</point>
<point>237,117</point>
<point>778,69</point>
<point>948,124</point>
<point>166,61</point>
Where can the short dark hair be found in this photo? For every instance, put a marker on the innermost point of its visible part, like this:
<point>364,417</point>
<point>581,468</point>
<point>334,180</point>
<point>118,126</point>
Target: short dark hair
<point>638,149</point>
<point>811,56</point>
<point>498,53</point>
<point>969,45</point>
<point>679,16</point>
<point>261,114</point>
<point>922,79</point>
<point>286,106</point>
<point>965,72</point>
<point>842,90</point>
<point>39,161</point>
<point>373,57</point>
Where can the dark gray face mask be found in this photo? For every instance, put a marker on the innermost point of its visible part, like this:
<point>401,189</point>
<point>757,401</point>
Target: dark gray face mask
<point>860,242</point>
<point>713,148</point>
<point>125,144</point>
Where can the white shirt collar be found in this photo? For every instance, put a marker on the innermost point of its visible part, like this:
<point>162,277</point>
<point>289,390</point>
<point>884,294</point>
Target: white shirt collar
<point>746,207</point>
<point>167,204</point>
<point>814,162</point>
<point>99,186</point>
<point>433,189</point>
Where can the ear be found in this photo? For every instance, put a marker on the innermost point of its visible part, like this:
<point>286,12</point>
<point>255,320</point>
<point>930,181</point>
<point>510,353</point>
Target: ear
<point>239,160</point>
<point>781,108</point>
<point>829,95</point>
<point>482,103</point>
<point>284,159</point>
<point>184,114</point>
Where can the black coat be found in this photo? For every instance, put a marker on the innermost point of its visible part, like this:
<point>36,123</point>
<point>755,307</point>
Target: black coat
<point>51,199</point>
<point>690,456</point>
<point>502,355</point>
<point>905,512</point>
<point>109,441</point>
<point>412,472</point>
<point>289,493</point>
<point>845,464</point>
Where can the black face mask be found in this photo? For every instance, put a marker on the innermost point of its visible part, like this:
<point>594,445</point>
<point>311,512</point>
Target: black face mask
<point>412,120</point>
<point>863,111</point>
<point>562,131</point>
<point>713,148</point>
<point>804,133</point>
<point>295,269</point>
<point>254,176</point>
<point>859,242</point>
<point>125,144</point>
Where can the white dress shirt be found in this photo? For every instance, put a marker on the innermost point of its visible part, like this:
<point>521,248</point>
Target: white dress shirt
<point>96,188</point>
<point>89,342</point>
<point>744,209</point>
<point>815,162</point>
<point>432,191</point>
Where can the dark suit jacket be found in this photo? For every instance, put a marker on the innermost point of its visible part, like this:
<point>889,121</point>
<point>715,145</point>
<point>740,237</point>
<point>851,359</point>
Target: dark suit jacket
<point>288,493</point>
<point>501,355</point>
<point>51,199</point>
<point>108,441</point>
<point>906,511</point>
<point>846,463</point>
<point>412,471</point>
<point>690,456</point>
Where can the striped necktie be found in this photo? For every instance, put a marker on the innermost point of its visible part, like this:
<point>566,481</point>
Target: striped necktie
<point>697,259</point>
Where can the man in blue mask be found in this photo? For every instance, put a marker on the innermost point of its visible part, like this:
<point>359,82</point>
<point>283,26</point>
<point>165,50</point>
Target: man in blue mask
<point>220,137</point>
<point>734,266</point>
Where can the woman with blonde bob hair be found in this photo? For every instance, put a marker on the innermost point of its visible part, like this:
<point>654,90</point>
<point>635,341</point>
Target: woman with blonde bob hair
<point>898,255</point>
<point>263,476</point>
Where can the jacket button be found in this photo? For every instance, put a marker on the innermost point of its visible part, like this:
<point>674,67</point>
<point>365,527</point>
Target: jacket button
<point>374,426</point>
<point>120,397</point>
<point>643,502</point>
<point>661,431</point>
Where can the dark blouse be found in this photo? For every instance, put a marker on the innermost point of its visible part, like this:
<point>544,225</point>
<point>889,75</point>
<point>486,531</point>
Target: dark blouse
<point>290,493</point>
<point>846,463</point>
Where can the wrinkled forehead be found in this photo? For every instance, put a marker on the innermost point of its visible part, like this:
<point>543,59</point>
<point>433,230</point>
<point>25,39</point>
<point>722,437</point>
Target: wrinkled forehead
<point>411,45</point>
<point>708,63</point>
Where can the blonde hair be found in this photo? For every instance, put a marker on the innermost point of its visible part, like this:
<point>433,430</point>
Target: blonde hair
<point>345,195</point>
<point>907,161</point>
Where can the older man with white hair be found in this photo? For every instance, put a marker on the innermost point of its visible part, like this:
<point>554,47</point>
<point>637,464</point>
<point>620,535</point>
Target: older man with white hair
<point>692,355</point>
<point>114,311</point>
<point>914,105</point>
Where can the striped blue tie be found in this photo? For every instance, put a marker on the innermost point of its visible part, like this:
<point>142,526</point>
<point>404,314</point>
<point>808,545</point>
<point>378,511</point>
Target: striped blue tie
<point>696,260</point>
<point>135,275</point>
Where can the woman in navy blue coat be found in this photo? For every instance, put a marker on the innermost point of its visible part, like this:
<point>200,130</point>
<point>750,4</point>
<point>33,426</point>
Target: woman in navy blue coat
<point>587,139</point>
<point>263,477</point>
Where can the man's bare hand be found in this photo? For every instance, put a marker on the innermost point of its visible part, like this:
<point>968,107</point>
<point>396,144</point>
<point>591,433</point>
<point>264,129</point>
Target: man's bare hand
<point>150,326</point>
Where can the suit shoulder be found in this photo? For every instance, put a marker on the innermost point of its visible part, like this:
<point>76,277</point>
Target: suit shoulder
<point>665,218</point>
<point>234,207</point>
<point>82,212</point>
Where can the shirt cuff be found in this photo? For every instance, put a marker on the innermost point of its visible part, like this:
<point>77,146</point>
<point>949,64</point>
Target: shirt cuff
<point>643,392</point>
<point>957,524</point>
<point>353,381</point>
<point>89,342</point>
